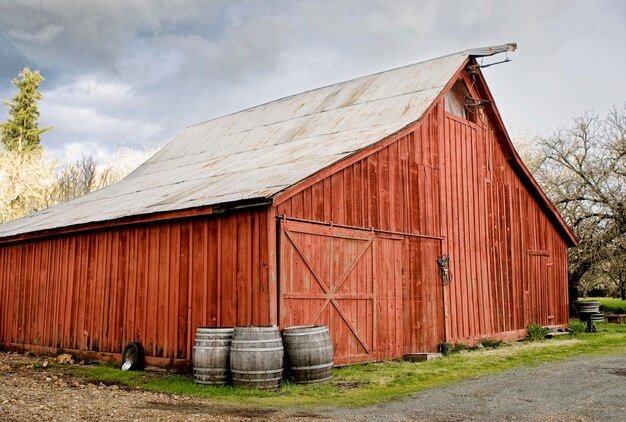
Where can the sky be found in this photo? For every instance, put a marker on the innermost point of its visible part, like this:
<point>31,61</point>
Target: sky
<point>133,73</point>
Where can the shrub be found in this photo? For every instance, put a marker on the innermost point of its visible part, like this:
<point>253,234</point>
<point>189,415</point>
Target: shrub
<point>576,327</point>
<point>459,347</point>
<point>448,348</point>
<point>613,307</point>
<point>445,348</point>
<point>536,332</point>
<point>491,343</point>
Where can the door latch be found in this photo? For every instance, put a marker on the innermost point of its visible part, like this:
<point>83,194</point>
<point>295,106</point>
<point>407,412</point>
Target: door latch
<point>444,269</point>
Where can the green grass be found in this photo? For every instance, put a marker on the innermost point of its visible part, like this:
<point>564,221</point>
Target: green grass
<point>610,305</point>
<point>359,385</point>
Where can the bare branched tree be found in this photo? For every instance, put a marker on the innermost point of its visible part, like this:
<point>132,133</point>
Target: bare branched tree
<point>583,170</point>
<point>617,275</point>
<point>76,179</point>
<point>614,271</point>
<point>593,280</point>
<point>80,177</point>
<point>528,144</point>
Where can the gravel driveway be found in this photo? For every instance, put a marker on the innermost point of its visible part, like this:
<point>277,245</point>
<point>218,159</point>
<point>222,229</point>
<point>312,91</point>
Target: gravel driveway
<point>589,389</point>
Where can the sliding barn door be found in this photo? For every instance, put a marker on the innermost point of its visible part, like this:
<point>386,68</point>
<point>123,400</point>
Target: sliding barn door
<point>347,279</point>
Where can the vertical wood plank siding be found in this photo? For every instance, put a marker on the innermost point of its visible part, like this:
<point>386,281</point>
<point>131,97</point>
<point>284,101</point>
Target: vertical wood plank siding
<point>495,229</point>
<point>153,283</point>
<point>397,189</point>
<point>442,186</point>
<point>449,177</point>
<point>347,279</point>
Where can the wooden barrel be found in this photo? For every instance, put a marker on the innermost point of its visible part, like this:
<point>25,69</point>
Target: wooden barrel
<point>587,306</point>
<point>211,355</point>
<point>308,353</point>
<point>597,317</point>
<point>256,357</point>
<point>591,316</point>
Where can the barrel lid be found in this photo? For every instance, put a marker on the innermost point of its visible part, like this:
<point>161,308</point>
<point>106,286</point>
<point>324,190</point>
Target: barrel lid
<point>257,328</point>
<point>215,329</point>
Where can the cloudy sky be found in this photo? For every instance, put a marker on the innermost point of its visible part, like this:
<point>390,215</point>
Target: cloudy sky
<point>135,72</point>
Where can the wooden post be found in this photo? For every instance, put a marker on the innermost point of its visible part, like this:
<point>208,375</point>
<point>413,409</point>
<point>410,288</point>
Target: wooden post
<point>272,267</point>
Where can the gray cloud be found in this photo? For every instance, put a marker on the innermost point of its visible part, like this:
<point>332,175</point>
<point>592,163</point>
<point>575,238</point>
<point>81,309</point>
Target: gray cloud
<point>136,72</point>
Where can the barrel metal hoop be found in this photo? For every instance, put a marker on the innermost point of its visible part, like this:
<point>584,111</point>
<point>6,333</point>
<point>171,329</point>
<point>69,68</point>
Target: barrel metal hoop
<point>324,365</point>
<point>207,338</point>
<point>264,349</point>
<point>256,341</point>
<point>307,345</point>
<point>300,334</point>
<point>268,371</point>
<point>197,346</point>
<point>260,381</point>
<point>305,333</point>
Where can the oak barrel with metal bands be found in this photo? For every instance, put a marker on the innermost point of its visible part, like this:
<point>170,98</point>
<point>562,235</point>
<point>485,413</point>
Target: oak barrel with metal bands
<point>308,353</point>
<point>593,316</point>
<point>211,355</point>
<point>587,306</point>
<point>256,357</point>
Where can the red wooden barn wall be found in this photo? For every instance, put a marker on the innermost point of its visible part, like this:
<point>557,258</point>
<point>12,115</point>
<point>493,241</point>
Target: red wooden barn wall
<point>396,189</point>
<point>444,185</point>
<point>153,283</point>
<point>347,279</point>
<point>449,177</point>
<point>508,260</point>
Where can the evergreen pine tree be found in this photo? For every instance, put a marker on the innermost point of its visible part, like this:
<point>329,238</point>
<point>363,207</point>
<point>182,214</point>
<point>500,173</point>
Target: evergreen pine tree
<point>21,131</point>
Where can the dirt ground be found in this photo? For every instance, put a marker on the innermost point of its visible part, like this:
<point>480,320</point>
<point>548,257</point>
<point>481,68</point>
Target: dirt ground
<point>580,390</point>
<point>34,393</point>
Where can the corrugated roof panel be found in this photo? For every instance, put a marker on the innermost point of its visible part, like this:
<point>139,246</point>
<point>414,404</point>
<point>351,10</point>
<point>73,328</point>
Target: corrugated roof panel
<point>259,152</point>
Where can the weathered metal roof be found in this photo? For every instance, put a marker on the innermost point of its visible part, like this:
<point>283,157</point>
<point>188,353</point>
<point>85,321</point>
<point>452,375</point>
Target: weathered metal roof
<point>258,152</point>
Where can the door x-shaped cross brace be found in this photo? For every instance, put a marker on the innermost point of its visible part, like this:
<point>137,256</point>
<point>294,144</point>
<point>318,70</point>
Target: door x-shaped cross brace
<point>330,294</point>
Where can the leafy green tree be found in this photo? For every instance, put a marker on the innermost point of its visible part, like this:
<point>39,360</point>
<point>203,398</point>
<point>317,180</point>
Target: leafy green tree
<point>21,131</point>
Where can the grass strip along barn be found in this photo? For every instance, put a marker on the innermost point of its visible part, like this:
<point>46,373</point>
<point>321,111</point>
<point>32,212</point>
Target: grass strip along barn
<point>336,206</point>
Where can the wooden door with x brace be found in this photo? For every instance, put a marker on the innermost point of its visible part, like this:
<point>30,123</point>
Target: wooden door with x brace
<point>348,279</point>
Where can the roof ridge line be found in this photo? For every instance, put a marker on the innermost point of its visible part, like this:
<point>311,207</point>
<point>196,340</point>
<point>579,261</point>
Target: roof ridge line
<point>327,86</point>
<point>476,52</point>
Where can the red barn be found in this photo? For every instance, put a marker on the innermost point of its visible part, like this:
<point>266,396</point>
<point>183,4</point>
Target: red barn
<point>337,206</point>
